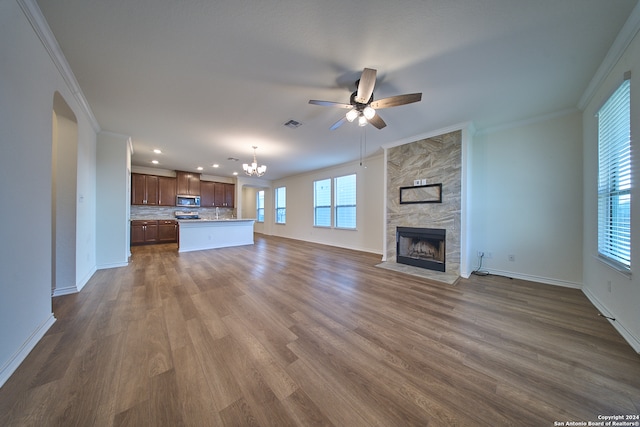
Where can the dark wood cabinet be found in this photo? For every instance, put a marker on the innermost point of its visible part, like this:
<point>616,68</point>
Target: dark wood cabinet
<point>167,231</point>
<point>166,191</point>
<point>207,194</point>
<point>154,231</point>
<point>144,189</point>
<point>217,194</point>
<point>188,183</point>
<point>229,195</point>
<point>143,231</point>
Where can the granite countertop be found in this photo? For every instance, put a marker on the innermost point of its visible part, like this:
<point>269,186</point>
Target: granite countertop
<point>156,218</point>
<point>216,220</point>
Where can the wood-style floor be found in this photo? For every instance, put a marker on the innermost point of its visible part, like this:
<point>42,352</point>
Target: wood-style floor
<point>290,333</point>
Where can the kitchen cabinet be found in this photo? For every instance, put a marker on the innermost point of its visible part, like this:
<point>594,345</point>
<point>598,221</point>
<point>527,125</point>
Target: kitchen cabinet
<point>167,231</point>
<point>229,195</point>
<point>207,194</point>
<point>217,194</point>
<point>144,231</point>
<point>188,183</point>
<point>166,191</point>
<point>144,189</point>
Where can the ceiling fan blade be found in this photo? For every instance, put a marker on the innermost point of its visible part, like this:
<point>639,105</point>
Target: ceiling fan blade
<point>365,87</point>
<point>377,121</point>
<point>330,104</point>
<point>339,123</point>
<point>394,101</point>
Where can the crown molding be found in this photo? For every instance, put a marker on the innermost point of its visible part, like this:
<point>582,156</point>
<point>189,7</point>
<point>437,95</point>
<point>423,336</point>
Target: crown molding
<point>620,44</point>
<point>465,126</point>
<point>43,31</point>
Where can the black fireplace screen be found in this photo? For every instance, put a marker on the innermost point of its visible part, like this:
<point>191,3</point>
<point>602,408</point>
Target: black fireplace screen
<point>421,247</point>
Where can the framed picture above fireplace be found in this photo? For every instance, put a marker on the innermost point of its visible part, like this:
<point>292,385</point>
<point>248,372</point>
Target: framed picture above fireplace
<point>430,193</point>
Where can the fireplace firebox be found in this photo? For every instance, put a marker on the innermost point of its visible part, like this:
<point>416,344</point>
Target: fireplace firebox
<point>421,247</point>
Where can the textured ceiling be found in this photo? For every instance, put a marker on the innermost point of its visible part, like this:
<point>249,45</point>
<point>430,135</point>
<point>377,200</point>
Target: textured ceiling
<point>206,80</point>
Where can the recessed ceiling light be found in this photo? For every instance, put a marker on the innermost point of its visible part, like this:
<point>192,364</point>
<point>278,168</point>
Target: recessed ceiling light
<point>155,162</point>
<point>235,173</point>
<point>199,168</point>
<point>215,165</point>
<point>157,151</point>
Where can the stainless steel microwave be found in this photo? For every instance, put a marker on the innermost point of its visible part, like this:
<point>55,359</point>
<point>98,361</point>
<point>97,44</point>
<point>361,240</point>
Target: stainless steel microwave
<point>188,201</point>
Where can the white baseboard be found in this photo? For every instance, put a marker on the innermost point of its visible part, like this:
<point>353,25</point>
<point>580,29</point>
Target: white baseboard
<point>80,284</point>
<point>22,353</point>
<point>58,292</point>
<point>539,279</point>
<point>112,265</point>
<point>67,290</point>
<point>633,341</point>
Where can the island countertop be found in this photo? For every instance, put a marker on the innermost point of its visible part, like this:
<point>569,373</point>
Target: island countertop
<point>200,234</point>
<point>199,220</point>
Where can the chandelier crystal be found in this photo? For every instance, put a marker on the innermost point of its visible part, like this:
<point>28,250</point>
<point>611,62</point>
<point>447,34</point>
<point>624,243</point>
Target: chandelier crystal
<point>253,168</point>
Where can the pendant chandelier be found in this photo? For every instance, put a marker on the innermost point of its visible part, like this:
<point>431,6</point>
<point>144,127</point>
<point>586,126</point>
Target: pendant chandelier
<point>253,168</point>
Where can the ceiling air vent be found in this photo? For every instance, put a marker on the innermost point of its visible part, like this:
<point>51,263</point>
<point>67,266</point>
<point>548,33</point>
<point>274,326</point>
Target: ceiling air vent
<point>292,124</point>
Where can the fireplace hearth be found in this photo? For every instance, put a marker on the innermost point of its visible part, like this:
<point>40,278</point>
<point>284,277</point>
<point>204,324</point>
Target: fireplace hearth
<point>421,247</point>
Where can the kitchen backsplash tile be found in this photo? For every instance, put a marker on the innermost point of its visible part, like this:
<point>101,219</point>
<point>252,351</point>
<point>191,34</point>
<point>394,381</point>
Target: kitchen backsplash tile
<point>168,212</point>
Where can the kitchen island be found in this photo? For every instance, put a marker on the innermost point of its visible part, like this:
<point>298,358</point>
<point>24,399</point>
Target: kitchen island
<point>200,234</point>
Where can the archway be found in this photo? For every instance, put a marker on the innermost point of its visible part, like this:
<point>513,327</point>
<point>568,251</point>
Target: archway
<point>64,173</point>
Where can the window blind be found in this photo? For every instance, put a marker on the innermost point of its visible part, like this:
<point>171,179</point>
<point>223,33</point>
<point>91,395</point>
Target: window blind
<point>345,201</point>
<point>322,203</point>
<point>614,177</point>
<point>260,206</point>
<point>281,205</point>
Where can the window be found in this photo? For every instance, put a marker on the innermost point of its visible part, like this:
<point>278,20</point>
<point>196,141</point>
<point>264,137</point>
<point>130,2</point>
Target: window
<point>614,178</point>
<point>281,205</point>
<point>260,206</point>
<point>343,206</point>
<point>322,203</point>
<point>345,201</point>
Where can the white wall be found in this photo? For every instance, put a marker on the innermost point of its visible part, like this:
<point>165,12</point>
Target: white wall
<point>113,189</point>
<point>28,80</point>
<point>615,294</point>
<point>63,189</point>
<point>370,207</point>
<point>526,200</point>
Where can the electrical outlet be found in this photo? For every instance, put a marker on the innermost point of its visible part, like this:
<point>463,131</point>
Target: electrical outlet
<point>480,254</point>
<point>512,258</point>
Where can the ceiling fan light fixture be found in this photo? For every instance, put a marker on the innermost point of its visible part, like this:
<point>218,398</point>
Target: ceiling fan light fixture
<point>369,112</point>
<point>351,115</point>
<point>362,120</point>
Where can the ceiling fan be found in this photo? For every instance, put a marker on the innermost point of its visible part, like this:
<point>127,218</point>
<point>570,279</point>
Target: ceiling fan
<point>363,107</point>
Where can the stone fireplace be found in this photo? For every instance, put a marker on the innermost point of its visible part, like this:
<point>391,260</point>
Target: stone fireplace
<point>432,160</point>
<point>421,247</point>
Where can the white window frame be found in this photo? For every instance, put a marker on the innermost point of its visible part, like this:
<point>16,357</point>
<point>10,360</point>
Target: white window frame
<point>281,205</point>
<point>259,206</point>
<point>316,206</point>
<point>614,179</point>
<point>340,196</point>
<point>334,202</point>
